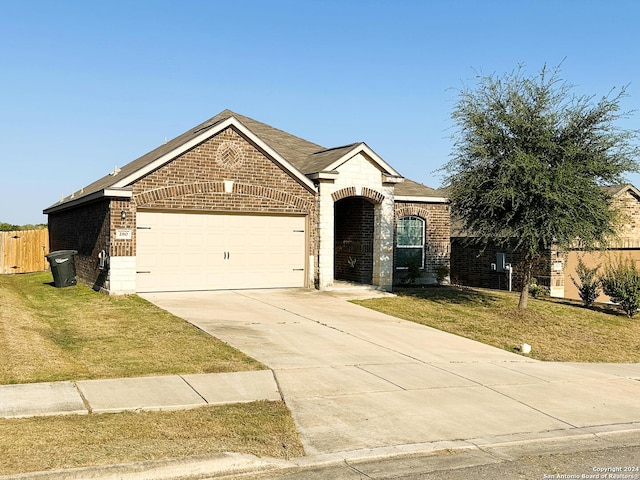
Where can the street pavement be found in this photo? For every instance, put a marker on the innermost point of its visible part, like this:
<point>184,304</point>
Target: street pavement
<point>602,457</point>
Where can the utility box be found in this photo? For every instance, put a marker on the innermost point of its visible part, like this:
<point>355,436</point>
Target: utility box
<point>501,262</point>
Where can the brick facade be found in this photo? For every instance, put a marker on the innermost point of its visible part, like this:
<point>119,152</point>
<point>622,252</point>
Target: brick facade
<point>437,249</point>
<point>203,180</point>
<point>625,246</point>
<point>354,230</point>
<point>629,231</point>
<point>471,265</point>
<point>87,230</point>
<point>350,211</point>
<point>206,178</point>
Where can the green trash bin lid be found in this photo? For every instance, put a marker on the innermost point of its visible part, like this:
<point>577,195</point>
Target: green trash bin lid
<point>59,254</point>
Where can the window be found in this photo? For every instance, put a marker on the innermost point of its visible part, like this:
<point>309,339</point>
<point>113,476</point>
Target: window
<point>410,242</point>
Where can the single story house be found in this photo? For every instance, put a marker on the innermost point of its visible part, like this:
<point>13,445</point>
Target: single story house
<point>234,203</point>
<point>484,267</point>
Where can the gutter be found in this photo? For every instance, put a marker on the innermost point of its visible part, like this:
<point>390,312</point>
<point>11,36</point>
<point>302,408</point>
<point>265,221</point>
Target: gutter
<point>105,193</point>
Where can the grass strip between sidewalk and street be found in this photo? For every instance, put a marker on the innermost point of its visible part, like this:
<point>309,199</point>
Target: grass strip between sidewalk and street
<point>264,429</point>
<point>558,330</point>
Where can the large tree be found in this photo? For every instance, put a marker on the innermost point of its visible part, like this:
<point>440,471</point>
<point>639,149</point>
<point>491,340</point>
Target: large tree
<point>529,162</point>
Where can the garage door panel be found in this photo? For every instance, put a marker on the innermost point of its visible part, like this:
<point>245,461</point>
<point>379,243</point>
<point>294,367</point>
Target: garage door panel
<point>207,251</point>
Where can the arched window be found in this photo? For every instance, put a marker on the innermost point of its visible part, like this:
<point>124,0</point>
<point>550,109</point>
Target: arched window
<point>410,241</point>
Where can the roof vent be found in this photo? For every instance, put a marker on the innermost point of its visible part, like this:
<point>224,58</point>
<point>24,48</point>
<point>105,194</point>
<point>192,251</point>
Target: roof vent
<point>116,171</point>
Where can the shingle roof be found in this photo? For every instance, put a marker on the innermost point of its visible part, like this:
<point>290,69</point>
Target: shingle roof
<point>320,160</point>
<point>293,149</point>
<point>615,190</point>
<point>307,157</point>
<point>409,188</point>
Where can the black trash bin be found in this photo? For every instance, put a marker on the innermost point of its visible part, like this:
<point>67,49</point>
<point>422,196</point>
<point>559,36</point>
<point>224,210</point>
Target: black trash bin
<point>63,267</point>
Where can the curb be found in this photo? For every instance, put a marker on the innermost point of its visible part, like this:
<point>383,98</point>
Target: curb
<point>444,455</point>
<point>172,469</point>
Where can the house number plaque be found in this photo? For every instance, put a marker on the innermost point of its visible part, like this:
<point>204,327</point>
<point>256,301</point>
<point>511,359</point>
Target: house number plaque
<point>123,234</point>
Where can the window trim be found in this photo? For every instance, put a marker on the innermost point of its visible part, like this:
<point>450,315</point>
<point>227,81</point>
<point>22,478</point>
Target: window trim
<point>412,247</point>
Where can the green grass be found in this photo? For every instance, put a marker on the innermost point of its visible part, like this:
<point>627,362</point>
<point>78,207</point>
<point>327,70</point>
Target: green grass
<point>556,330</point>
<point>51,334</point>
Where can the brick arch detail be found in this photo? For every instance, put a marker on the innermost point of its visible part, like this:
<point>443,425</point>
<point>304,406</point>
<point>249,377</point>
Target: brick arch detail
<point>200,188</point>
<point>406,210</point>
<point>344,193</point>
<point>369,193</point>
<point>272,194</point>
<point>373,195</point>
<point>173,191</point>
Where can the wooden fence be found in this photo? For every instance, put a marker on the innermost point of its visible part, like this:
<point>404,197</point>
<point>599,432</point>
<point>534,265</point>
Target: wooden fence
<point>24,251</point>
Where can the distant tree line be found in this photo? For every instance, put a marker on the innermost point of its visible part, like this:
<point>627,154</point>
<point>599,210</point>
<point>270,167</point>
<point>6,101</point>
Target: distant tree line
<point>8,227</point>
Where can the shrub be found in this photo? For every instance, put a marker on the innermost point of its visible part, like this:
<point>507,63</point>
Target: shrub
<point>413,273</point>
<point>536,290</point>
<point>588,283</point>
<point>441,273</point>
<point>9,227</point>
<point>622,283</point>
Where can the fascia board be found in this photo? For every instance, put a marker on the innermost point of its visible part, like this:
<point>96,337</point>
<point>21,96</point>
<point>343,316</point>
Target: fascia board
<point>408,198</point>
<point>109,192</point>
<point>231,121</point>
<point>332,175</point>
<point>392,179</point>
<point>363,147</point>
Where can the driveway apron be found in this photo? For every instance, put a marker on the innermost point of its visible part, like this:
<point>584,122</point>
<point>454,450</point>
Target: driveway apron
<point>358,379</point>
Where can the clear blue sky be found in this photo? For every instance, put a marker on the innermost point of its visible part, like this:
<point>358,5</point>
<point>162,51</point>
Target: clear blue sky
<point>88,85</point>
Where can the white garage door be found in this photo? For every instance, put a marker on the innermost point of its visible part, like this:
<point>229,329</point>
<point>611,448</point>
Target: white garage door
<point>189,251</point>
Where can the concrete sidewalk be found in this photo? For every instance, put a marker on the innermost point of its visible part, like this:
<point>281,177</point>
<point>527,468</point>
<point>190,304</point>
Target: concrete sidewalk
<point>172,392</point>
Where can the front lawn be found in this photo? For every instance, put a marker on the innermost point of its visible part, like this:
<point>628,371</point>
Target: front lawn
<point>51,334</point>
<point>557,330</point>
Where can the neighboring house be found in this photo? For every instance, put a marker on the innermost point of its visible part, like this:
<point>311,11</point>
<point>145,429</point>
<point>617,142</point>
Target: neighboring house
<point>626,245</point>
<point>482,267</point>
<point>234,203</point>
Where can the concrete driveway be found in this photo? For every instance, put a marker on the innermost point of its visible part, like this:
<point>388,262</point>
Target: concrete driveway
<point>356,379</point>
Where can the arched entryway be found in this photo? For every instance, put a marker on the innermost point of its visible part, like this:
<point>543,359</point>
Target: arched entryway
<point>354,223</point>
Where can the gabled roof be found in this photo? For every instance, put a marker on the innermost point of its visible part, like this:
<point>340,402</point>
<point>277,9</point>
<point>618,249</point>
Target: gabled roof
<point>118,182</point>
<point>320,160</point>
<point>290,147</point>
<point>618,190</point>
<point>299,157</point>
